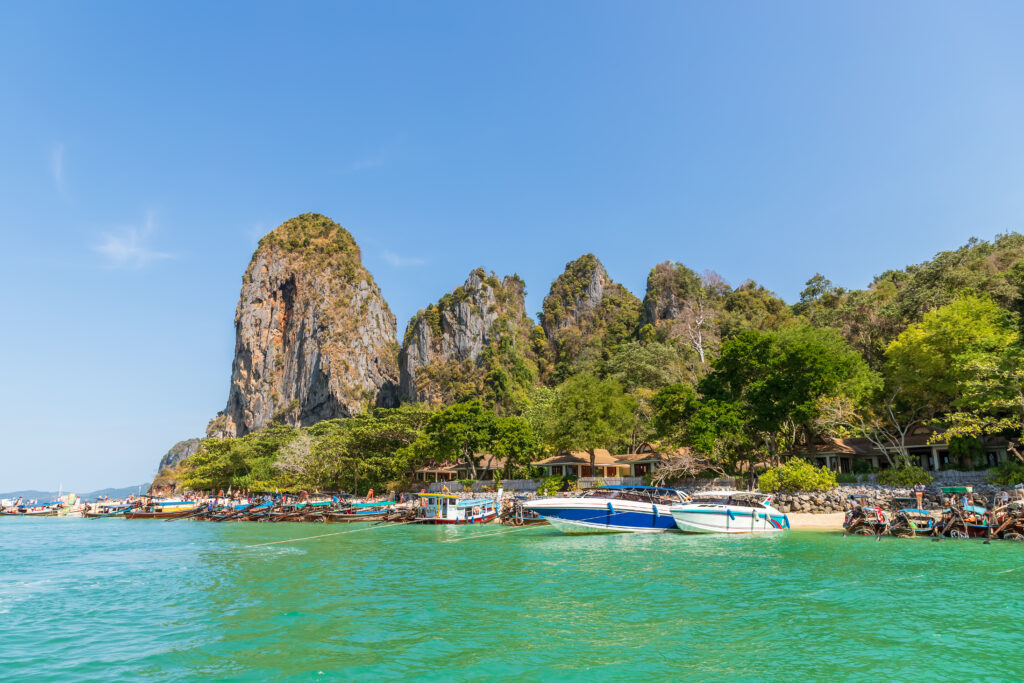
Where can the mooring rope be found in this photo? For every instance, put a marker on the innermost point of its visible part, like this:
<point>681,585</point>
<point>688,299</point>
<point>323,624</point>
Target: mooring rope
<point>604,514</point>
<point>336,533</point>
<point>491,533</point>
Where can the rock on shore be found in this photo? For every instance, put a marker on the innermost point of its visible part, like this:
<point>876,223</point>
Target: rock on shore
<point>824,502</point>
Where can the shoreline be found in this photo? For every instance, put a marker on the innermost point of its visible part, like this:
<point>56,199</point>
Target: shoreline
<point>809,521</point>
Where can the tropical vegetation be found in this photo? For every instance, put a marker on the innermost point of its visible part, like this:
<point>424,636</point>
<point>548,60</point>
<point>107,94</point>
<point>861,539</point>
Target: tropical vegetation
<point>734,375</point>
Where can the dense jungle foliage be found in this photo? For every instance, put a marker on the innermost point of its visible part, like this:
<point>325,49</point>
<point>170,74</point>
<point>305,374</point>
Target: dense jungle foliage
<point>735,375</point>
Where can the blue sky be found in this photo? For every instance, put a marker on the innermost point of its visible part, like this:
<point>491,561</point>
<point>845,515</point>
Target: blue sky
<point>145,147</point>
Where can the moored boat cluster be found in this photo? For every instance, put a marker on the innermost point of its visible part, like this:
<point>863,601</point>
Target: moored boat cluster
<point>644,509</point>
<point>601,509</point>
<point>966,514</point>
<point>441,508</point>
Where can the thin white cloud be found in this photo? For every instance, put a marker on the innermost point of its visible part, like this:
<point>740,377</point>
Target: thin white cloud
<point>373,161</point>
<point>57,165</point>
<point>399,261</point>
<point>128,248</point>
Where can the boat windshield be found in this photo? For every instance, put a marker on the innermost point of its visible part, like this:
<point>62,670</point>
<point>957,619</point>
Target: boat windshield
<point>656,496</point>
<point>734,501</point>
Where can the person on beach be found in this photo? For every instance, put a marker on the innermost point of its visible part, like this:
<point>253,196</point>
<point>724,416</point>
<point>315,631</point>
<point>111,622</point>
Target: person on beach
<point>919,493</point>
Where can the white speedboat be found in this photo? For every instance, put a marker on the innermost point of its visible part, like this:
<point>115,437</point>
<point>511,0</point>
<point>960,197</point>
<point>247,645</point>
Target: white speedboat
<point>729,512</point>
<point>611,509</point>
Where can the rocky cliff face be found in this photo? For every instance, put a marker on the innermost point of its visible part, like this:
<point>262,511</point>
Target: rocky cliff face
<point>585,314</point>
<point>449,346</point>
<point>670,286</point>
<point>178,452</point>
<point>575,295</point>
<point>314,338</point>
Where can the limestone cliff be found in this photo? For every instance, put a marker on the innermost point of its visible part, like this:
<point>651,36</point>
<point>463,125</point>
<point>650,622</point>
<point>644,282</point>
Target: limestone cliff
<point>178,452</point>
<point>451,347</point>
<point>584,315</point>
<point>671,289</point>
<point>314,338</point>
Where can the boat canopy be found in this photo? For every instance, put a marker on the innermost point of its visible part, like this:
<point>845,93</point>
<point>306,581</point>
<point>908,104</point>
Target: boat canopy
<point>958,489</point>
<point>386,503</point>
<point>473,502</point>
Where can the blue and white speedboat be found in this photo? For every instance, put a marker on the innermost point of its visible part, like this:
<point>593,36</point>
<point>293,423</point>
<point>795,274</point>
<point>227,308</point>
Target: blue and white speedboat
<point>612,509</point>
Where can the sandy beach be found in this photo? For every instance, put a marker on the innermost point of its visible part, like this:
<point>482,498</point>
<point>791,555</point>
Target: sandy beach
<point>805,521</point>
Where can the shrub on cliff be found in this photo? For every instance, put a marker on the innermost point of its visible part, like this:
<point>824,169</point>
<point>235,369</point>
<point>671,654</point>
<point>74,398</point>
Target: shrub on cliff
<point>796,475</point>
<point>904,476</point>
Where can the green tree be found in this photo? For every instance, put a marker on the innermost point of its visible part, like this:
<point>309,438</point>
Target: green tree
<point>673,404</point>
<point>471,433</point>
<point>933,361</point>
<point>512,439</point>
<point>777,381</point>
<point>651,366</point>
<point>590,413</point>
<point>991,394</point>
<point>458,432</point>
<point>752,307</point>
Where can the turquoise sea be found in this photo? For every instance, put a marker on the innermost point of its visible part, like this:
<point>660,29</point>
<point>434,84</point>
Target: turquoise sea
<point>84,600</point>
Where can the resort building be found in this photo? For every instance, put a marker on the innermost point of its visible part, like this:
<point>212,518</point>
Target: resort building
<point>842,454</point>
<point>451,471</point>
<point>605,464</point>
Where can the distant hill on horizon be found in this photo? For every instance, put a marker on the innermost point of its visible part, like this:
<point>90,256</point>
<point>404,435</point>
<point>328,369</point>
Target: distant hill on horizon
<point>91,495</point>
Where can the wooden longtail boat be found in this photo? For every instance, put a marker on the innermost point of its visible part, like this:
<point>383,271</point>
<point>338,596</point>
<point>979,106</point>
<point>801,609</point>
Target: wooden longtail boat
<point>48,510</point>
<point>864,520</point>
<point>361,512</point>
<point>965,518</point>
<point>907,521</point>
<point>109,511</point>
<point>163,510</point>
<point>445,508</point>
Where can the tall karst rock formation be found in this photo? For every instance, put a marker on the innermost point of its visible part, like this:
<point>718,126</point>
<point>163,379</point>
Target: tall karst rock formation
<point>314,338</point>
<point>584,316</point>
<point>672,289</point>
<point>473,343</point>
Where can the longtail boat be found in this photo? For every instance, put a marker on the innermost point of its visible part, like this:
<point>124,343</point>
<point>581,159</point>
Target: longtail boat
<point>109,510</point>
<point>446,508</point>
<point>362,512</point>
<point>907,521</point>
<point>163,509</point>
<point>863,519</point>
<point>967,517</point>
<point>33,510</point>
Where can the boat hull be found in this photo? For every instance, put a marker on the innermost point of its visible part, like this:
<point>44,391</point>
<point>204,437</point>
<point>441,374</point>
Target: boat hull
<point>159,515</point>
<point>694,520</point>
<point>349,518</point>
<point>42,513</point>
<point>481,519</point>
<point>596,515</point>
